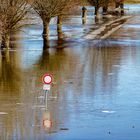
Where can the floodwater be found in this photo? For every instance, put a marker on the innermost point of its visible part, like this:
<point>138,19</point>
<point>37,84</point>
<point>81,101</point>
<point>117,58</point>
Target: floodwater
<point>95,92</point>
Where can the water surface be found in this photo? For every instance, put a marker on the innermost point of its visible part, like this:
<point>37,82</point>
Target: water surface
<point>95,92</point>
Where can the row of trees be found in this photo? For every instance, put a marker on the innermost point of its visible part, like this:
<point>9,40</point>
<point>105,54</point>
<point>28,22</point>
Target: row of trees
<point>14,12</point>
<point>100,3</point>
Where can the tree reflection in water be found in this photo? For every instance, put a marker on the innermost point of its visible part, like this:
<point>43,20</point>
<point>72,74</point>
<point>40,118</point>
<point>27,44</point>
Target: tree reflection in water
<point>78,74</point>
<point>10,88</point>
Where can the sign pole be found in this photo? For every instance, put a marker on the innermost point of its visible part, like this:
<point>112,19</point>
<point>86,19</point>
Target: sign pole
<point>46,99</point>
<point>47,81</point>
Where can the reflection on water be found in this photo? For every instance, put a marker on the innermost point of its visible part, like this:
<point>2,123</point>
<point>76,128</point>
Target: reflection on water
<point>88,83</point>
<point>10,88</point>
<point>94,95</point>
<point>9,70</point>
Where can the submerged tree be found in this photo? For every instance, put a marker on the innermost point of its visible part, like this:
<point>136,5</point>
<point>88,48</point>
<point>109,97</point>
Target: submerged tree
<point>12,12</point>
<point>48,9</point>
<point>100,3</point>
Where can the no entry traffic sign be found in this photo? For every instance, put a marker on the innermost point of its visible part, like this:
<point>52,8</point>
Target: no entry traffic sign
<point>47,79</point>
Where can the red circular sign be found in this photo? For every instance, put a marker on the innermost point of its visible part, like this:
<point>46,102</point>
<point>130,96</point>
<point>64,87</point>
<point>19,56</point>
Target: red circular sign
<point>47,79</point>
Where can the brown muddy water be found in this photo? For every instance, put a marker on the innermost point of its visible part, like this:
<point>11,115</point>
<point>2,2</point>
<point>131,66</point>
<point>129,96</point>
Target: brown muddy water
<point>95,92</point>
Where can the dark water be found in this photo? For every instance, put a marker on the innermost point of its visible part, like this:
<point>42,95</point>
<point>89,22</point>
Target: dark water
<point>95,92</point>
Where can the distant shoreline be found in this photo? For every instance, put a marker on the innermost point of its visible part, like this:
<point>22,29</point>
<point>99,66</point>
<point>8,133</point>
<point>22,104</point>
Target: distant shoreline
<point>132,1</point>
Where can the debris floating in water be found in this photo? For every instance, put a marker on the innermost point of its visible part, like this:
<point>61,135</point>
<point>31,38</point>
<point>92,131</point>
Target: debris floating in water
<point>63,129</point>
<point>40,97</point>
<point>133,126</point>
<point>107,111</point>
<point>110,74</point>
<point>3,113</point>
<point>109,132</point>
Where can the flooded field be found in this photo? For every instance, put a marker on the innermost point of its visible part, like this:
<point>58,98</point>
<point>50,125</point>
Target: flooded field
<point>96,86</point>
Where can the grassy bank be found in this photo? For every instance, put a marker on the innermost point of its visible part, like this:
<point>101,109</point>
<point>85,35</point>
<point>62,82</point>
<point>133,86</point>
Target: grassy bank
<point>132,1</point>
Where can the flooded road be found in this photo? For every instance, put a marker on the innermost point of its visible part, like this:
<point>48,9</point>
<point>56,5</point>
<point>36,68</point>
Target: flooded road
<point>95,92</point>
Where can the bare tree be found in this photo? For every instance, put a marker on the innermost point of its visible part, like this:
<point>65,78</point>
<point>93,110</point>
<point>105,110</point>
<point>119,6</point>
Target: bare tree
<point>70,8</point>
<point>99,3</point>
<point>48,9</point>
<point>120,4</point>
<point>12,12</point>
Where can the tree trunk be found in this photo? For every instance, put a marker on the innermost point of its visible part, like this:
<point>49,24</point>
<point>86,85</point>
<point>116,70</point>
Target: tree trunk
<point>5,41</point>
<point>46,44</point>
<point>59,27</point>
<point>84,12</point>
<point>96,20</point>
<point>59,32</point>
<point>6,55</point>
<point>122,8</point>
<point>46,31</point>
<point>96,11</point>
<point>84,21</point>
<point>105,8</point>
<point>84,15</point>
<point>117,4</point>
<point>59,20</point>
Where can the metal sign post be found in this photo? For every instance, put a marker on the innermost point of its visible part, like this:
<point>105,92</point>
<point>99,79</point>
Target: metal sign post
<point>47,81</point>
<point>46,98</point>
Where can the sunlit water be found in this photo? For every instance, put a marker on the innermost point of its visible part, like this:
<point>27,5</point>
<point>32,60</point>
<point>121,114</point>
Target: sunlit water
<point>95,92</point>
